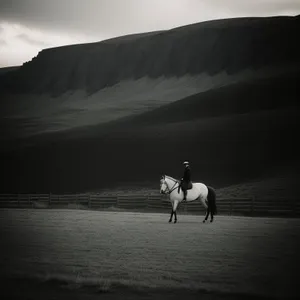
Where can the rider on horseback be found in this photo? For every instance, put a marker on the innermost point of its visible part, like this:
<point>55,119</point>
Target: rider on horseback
<point>186,179</point>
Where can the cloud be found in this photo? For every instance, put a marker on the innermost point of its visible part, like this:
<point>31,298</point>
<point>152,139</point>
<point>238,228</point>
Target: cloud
<point>26,38</point>
<point>28,26</point>
<point>258,8</point>
<point>107,18</point>
<point>20,43</point>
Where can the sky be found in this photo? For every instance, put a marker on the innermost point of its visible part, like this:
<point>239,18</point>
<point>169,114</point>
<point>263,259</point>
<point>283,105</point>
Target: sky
<point>28,26</point>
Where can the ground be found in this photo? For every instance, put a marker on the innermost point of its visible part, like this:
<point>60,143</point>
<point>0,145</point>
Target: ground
<point>124,254</point>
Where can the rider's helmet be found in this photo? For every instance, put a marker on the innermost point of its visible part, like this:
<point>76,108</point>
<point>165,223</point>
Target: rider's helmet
<point>186,163</point>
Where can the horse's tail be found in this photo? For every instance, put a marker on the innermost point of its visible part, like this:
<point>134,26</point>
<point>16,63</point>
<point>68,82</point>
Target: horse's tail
<point>211,198</point>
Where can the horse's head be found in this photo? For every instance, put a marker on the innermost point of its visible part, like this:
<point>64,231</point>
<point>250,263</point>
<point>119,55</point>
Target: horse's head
<point>163,185</point>
<point>167,184</point>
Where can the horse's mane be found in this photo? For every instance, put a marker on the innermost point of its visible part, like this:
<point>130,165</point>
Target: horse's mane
<point>167,176</point>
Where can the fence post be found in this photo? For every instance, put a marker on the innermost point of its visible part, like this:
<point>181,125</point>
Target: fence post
<point>89,200</point>
<point>49,199</point>
<point>18,196</point>
<point>231,205</point>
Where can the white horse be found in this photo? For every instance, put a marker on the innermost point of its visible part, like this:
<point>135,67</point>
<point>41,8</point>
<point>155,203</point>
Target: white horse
<point>198,191</point>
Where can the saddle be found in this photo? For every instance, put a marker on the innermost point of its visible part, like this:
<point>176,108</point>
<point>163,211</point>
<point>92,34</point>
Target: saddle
<point>185,185</point>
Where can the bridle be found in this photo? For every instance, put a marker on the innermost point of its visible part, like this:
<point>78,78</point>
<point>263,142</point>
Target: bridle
<point>169,190</point>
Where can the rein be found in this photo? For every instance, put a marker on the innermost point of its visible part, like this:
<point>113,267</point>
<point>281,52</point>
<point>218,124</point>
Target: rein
<point>173,187</point>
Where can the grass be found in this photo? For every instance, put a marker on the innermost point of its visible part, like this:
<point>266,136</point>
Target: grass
<point>116,250</point>
<point>280,183</point>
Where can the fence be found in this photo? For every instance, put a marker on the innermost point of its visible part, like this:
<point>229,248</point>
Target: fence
<point>152,202</point>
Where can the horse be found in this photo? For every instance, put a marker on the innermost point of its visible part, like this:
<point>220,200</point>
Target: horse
<point>197,191</point>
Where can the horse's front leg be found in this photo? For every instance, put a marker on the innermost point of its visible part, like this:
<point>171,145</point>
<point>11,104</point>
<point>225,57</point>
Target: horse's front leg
<point>171,217</point>
<point>175,204</point>
<point>175,214</point>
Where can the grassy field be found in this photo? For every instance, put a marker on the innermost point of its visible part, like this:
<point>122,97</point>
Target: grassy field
<point>142,254</point>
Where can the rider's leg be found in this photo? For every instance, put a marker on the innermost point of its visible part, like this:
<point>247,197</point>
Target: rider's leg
<point>184,194</point>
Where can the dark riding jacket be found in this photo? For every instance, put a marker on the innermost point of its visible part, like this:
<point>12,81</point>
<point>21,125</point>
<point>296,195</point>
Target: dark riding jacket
<point>187,174</point>
<point>186,179</point>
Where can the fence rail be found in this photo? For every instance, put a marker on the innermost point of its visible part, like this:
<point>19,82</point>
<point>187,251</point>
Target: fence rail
<point>152,202</point>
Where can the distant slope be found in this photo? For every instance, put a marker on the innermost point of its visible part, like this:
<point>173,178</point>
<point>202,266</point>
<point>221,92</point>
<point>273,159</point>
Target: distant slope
<point>282,183</point>
<point>90,84</point>
<point>211,47</point>
<point>8,69</point>
<point>238,143</point>
<point>279,93</point>
<point>250,96</point>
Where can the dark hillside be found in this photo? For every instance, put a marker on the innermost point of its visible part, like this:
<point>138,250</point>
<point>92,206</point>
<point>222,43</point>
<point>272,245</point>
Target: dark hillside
<point>230,134</point>
<point>223,151</point>
<point>241,141</point>
<point>241,98</point>
<point>229,45</point>
<point>7,69</point>
<point>250,96</point>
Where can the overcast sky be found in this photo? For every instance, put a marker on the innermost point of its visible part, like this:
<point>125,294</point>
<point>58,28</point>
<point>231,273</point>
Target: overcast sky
<point>28,26</point>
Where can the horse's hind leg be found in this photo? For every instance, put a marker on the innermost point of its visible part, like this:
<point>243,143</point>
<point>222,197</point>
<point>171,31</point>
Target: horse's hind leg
<point>211,216</point>
<point>207,213</point>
